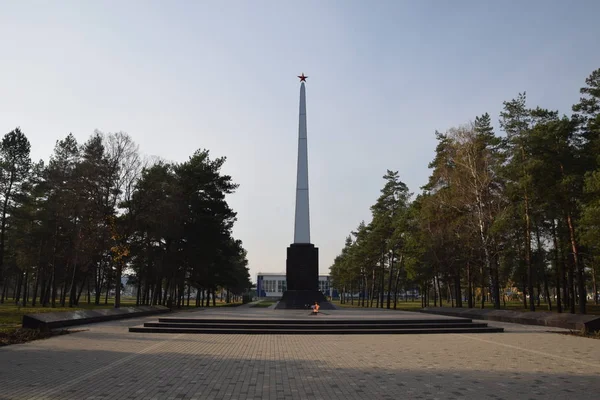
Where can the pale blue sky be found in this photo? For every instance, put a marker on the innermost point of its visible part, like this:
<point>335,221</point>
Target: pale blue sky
<point>383,76</point>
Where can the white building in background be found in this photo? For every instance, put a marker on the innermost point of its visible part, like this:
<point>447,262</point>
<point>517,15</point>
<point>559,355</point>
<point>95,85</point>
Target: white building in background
<point>274,284</point>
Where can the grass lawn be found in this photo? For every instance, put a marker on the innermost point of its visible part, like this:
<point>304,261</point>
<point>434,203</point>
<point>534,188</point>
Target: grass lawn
<point>592,309</point>
<point>11,317</point>
<point>264,304</point>
<point>401,305</point>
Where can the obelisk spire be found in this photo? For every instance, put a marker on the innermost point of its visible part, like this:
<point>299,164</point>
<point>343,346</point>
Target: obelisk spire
<point>302,261</point>
<point>302,220</point>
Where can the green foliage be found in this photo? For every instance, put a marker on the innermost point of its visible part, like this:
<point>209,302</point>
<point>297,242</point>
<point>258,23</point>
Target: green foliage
<point>97,210</point>
<point>507,219</point>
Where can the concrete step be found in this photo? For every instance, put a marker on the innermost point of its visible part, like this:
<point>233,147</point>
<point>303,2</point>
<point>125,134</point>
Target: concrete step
<point>351,325</point>
<point>314,320</point>
<point>310,331</point>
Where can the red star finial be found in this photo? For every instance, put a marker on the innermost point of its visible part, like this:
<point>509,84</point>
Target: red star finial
<point>302,77</point>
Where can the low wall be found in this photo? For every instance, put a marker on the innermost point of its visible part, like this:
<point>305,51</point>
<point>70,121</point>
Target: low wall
<point>53,320</point>
<point>563,320</point>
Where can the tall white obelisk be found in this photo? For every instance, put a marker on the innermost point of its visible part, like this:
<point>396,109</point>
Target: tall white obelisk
<point>302,220</point>
<point>302,261</point>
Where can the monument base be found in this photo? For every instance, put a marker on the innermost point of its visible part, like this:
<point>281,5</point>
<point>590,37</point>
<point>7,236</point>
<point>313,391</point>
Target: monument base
<point>302,278</point>
<point>303,300</point>
<point>302,267</point>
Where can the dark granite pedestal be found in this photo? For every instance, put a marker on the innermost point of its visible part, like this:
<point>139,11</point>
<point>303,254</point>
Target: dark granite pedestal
<point>302,267</point>
<point>303,299</point>
<point>302,276</point>
<point>55,320</point>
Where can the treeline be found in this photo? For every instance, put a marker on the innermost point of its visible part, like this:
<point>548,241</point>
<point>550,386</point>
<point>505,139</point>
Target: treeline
<point>502,217</point>
<point>100,209</point>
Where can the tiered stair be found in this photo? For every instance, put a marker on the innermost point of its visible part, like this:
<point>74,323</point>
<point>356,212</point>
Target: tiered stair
<point>315,325</point>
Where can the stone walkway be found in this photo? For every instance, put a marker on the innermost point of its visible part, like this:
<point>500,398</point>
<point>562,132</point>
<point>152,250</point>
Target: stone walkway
<point>106,362</point>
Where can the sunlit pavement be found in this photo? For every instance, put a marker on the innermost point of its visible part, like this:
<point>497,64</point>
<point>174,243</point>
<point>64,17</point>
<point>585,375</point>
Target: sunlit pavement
<point>107,362</point>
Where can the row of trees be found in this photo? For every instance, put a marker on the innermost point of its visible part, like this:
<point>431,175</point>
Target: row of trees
<point>502,217</point>
<point>99,209</point>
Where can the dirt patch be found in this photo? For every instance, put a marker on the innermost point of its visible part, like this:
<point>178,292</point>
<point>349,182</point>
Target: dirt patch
<point>23,335</point>
<point>583,333</point>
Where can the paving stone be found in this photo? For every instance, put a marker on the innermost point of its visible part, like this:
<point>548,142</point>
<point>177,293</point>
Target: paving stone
<point>106,361</point>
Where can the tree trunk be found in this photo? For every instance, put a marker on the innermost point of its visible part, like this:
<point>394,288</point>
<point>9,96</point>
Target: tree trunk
<point>181,297</point>
<point>524,279</point>
<point>570,277</point>
<point>439,291</point>
<point>375,297</point>
<point>390,279</point>
<point>63,291</point>
<point>397,281</point>
<point>165,295</point>
<point>547,290</point>
<point>25,288</point>
<point>564,276</point>
<point>427,293</point>
<point>38,273</point>
<point>4,289</point>
<point>143,291</point>
<point>84,283</point>
<point>138,293</point>
<point>159,292</point>
<point>48,293</point>
<point>17,293</point>
<point>470,286</point>
<point>457,288</point>
<point>361,291</point>
<point>556,267</point>
<point>527,232</point>
<point>482,272</point>
<point>73,288</point>
<point>43,298</point>
<point>36,287</point>
<point>146,298</point>
<point>372,294</point>
<point>364,289</point>
<point>582,291</point>
<point>490,264</point>
<point>382,280</point>
<point>594,286</point>
<point>108,282</point>
<point>118,285</point>
<point>98,282</point>
<point>44,291</point>
<point>53,278</point>
<point>7,195</point>
<point>579,267</point>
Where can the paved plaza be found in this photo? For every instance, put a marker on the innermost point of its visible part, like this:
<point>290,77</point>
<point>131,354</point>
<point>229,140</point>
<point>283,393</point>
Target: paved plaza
<point>105,361</point>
